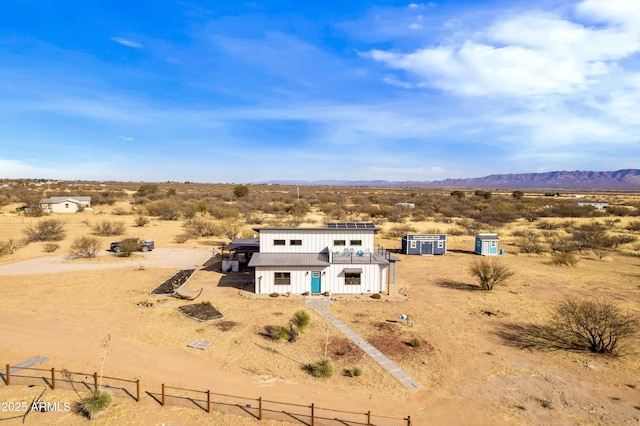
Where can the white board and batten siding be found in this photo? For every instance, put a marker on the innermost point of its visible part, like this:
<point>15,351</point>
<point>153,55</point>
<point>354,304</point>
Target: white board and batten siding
<point>373,279</point>
<point>313,240</point>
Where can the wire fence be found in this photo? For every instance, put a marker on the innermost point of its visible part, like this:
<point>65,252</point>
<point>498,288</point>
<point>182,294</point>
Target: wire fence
<point>257,408</point>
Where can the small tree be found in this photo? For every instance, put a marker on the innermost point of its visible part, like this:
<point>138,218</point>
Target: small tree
<point>85,246</point>
<point>96,405</point>
<point>518,195</point>
<point>230,228</point>
<point>490,272</point>
<point>241,191</point>
<point>141,220</point>
<point>598,326</point>
<point>127,247</point>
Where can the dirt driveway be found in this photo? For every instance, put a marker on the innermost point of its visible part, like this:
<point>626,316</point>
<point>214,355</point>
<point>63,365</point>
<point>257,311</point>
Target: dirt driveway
<point>158,258</point>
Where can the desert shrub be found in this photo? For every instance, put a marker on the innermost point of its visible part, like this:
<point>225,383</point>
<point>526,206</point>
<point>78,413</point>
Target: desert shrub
<point>547,226</point>
<point>470,226</point>
<point>375,296</point>
<point>223,212</point>
<point>322,369</point>
<point>96,405</point>
<point>354,372</point>
<point>398,231</point>
<point>85,246</point>
<point>141,220</point>
<point>240,191</point>
<point>230,229</point>
<point>490,272</point>
<point>456,231</point>
<point>619,211</point>
<point>8,247</point>
<point>597,326</point>
<point>108,228</point>
<point>529,243</point>
<point>147,190</point>
<point>564,259</point>
<point>634,225</point>
<point>50,247</point>
<point>181,238</point>
<point>164,209</point>
<point>278,332</point>
<point>458,194</point>
<point>301,321</point>
<point>274,294</point>
<point>46,230</point>
<point>414,343</point>
<point>624,239</point>
<point>197,227</point>
<point>127,247</point>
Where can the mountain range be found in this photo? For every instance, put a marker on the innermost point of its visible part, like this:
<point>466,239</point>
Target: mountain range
<point>628,179</point>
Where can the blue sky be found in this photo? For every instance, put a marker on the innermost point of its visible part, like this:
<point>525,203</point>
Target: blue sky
<point>221,91</point>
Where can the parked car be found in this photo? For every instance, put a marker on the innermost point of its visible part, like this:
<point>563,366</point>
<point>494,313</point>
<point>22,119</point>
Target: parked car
<point>140,245</point>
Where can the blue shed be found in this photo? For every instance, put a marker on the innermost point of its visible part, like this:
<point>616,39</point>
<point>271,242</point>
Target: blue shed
<point>424,244</point>
<point>487,244</point>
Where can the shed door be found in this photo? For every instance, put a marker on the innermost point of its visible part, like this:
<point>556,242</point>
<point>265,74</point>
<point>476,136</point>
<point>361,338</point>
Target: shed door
<point>427,247</point>
<point>315,282</point>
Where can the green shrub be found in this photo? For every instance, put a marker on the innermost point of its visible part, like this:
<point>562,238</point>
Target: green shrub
<point>301,321</point>
<point>141,221</point>
<point>274,295</point>
<point>96,405</point>
<point>108,228</point>
<point>278,332</point>
<point>414,343</point>
<point>127,247</point>
<point>355,372</point>
<point>322,369</point>
<point>376,296</point>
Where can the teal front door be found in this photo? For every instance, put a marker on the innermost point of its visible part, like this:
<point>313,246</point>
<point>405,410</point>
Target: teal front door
<point>315,282</point>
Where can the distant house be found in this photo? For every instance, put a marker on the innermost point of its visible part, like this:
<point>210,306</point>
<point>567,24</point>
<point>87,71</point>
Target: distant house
<point>487,244</point>
<point>340,258</point>
<point>407,205</point>
<point>424,244</point>
<point>65,204</point>
<point>598,206</point>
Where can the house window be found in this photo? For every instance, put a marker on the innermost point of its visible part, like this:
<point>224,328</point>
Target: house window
<point>282,278</point>
<point>351,278</point>
<point>440,244</point>
<point>295,242</point>
<point>66,205</point>
<point>413,244</point>
<point>356,242</point>
<point>494,244</point>
<point>339,243</point>
<point>278,242</point>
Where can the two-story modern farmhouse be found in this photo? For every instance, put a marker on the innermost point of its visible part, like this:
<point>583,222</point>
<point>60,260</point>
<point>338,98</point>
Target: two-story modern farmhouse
<point>340,258</point>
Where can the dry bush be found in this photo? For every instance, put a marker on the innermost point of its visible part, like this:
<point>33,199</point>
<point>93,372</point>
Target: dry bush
<point>597,326</point>
<point>490,272</point>
<point>634,226</point>
<point>46,230</point>
<point>108,228</point>
<point>50,247</point>
<point>8,247</point>
<point>564,259</point>
<point>164,209</point>
<point>181,238</point>
<point>230,229</point>
<point>141,220</point>
<point>344,350</point>
<point>197,227</point>
<point>398,231</point>
<point>85,246</point>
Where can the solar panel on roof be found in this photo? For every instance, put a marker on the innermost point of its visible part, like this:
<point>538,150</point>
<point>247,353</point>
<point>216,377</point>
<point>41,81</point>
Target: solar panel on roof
<point>351,225</point>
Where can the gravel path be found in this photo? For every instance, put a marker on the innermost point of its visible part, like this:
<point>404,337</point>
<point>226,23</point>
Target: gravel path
<point>158,258</point>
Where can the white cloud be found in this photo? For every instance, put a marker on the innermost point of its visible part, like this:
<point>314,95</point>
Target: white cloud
<point>527,54</point>
<point>126,42</point>
<point>125,138</point>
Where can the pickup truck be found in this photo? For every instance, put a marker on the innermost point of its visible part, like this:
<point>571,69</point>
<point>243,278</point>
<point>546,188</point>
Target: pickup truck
<point>141,245</point>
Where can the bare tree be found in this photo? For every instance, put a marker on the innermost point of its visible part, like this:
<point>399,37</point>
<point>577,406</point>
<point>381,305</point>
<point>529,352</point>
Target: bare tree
<point>85,246</point>
<point>598,326</point>
<point>490,272</point>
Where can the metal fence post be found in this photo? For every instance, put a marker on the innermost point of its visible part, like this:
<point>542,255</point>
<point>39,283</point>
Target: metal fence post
<point>312,419</point>
<point>53,378</point>
<point>8,375</point>
<point>138,390</point>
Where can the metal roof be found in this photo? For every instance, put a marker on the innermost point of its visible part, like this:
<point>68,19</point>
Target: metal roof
<point>488,236</point>
<point>289,259</point>
<point>56,200</point>
<point>243,244</point>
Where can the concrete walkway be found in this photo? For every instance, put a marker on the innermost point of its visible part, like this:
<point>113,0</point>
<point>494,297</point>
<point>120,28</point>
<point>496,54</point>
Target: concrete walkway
<point>321,305</point>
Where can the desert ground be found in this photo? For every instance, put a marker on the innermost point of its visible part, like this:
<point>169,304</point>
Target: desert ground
<point>471,362</point>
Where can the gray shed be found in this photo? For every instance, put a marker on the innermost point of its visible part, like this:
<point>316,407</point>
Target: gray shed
<point>424,244</point>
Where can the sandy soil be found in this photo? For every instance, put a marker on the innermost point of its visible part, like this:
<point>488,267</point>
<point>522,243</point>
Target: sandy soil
<point>473,374</point>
